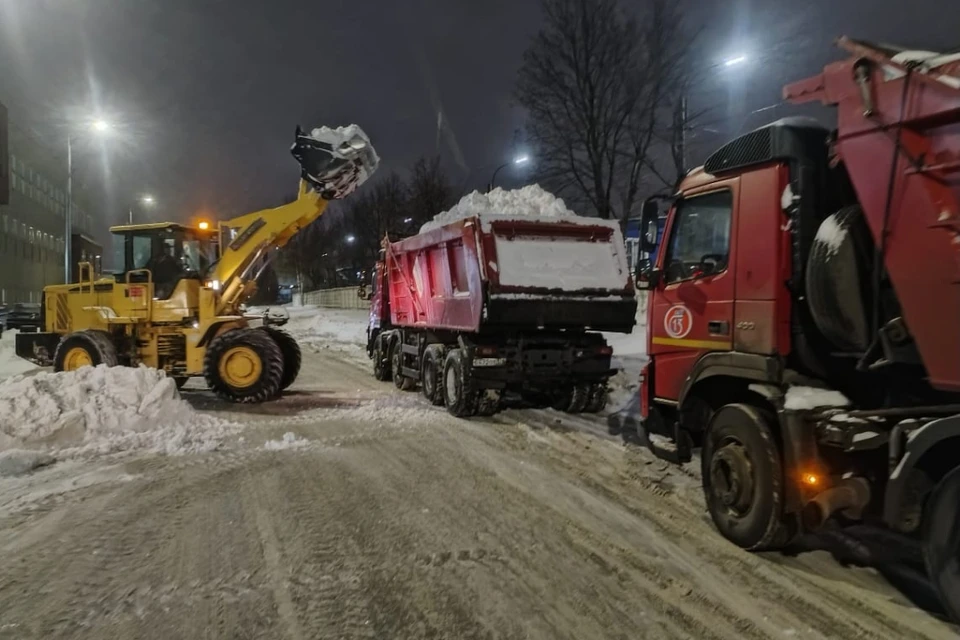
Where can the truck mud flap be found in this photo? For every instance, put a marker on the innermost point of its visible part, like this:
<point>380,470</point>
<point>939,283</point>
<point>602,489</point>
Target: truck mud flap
<point>627,423</point>
<point>37,347</point>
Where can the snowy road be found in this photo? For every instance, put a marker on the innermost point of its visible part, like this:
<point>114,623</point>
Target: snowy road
<point>383,517</point>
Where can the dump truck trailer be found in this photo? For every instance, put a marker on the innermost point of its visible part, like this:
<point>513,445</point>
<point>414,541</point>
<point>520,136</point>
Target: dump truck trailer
<point>492,305</point>
<point>804,314</point>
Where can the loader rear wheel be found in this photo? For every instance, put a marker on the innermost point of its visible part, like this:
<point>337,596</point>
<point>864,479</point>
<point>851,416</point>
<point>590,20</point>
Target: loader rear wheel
<point>941,538</point>
<point>458,392</point>
<point>743,478</point>
<point>381,360</point>
<point>401,381</point>
<point>430,378</point>
<point>292,356</point>
<point>85,349</point>
<point>244,365</point>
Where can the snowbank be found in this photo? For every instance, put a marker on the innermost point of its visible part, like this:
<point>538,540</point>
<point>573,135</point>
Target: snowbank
<point>831,234</point>
<point>98,410</point>
<point>10,364</point>
<point>530,201</point>
<point>289,441</point>
<point>335,329</point>
<point>800,398</point>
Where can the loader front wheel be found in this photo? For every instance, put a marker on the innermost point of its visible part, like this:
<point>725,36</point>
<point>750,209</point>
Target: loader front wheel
<point>292,356</point>
<point>85,349</point>
<point>244,365</point>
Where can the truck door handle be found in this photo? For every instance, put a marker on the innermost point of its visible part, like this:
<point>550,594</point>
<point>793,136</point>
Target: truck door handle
<point>718,327</point>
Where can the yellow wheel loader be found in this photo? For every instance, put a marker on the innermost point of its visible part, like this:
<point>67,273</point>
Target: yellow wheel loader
<point>175,303</point>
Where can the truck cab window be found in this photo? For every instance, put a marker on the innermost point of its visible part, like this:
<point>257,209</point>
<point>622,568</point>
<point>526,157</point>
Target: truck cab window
<point>700,240</point>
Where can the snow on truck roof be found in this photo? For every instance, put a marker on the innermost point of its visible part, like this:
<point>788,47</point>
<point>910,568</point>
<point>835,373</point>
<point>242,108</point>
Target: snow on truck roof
<point>531,203</point>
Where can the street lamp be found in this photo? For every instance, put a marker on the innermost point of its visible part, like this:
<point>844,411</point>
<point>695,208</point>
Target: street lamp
<point>735,60</point>
<point>350,239</point>
<point>146,200</point>
<point>98,126</point>
<point>518,161</point>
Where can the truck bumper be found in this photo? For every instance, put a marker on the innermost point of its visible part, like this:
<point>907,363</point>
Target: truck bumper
<point>37,347</point>
<point>597,314</point>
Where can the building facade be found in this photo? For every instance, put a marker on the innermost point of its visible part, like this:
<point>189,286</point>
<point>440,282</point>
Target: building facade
<point>32,223</point>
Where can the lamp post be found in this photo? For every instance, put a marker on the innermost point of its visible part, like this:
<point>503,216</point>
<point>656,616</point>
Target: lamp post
<point>681,114</point>
<point>97,126</point>
<point>145,200</point>
<point>518,161</point>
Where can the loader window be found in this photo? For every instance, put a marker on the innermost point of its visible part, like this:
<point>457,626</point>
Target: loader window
<point>700,239</point>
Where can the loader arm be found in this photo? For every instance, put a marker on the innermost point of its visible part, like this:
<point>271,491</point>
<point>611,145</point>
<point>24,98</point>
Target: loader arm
<point>333,163</point>
<point>257,234</point>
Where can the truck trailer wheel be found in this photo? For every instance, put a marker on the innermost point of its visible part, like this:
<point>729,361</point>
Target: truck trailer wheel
<point>941,538</point>
<point>458,392</point>
<point>292,356</point>
<point>85,349</point>
<point>430,374</point>
<point>573,399</point>
<point>401,381</point>
<point>244,365</point>
<point>743,478</point>
<point>597,401</point>
<point>381,360</point>
<point>488,401</point>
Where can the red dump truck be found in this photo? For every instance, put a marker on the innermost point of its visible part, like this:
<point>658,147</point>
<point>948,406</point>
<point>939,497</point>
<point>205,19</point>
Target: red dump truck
<point>491,305</point>
<point>804,314</point>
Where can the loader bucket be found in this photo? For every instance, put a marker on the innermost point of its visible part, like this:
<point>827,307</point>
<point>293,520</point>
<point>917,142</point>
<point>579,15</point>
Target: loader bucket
<point>335,161</point>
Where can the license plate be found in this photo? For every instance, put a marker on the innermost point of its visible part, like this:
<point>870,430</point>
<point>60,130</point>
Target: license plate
<point>489,362</point>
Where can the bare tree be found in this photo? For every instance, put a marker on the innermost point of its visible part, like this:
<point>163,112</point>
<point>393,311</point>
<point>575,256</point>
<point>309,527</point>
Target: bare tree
<point>593,82</point>
<point>430,191</point>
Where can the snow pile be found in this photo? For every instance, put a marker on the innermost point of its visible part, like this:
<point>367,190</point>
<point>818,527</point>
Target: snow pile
<point>289,441</point>
<point>530,201</point>
<point>10,364</point>
<point>99,410</point>
<point>342,330</point>
<point>831,234</point>
<point>800,398</point>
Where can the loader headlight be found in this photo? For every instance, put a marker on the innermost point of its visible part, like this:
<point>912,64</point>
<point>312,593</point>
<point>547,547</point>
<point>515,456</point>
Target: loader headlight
<point>214,284</point>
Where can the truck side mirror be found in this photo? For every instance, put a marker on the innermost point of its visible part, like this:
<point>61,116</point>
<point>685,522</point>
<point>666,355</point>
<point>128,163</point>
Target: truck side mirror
<point>646,277</point>
<point>649,218</point>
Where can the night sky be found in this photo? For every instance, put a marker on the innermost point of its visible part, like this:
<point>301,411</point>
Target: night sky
<point>209,91</point>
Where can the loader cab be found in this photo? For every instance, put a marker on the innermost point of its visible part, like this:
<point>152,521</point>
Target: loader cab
<point>169,251</point>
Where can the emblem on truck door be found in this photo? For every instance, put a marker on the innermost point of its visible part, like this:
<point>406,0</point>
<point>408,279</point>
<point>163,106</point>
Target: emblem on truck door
<point>678,322</point>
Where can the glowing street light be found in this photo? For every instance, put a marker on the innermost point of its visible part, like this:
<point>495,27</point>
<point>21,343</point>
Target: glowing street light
<point>733,61</point>
<point>146,200</point>
<point>100,125</point>
<point>350,239</point>
<point>407,220</point>
<point>517,162</point>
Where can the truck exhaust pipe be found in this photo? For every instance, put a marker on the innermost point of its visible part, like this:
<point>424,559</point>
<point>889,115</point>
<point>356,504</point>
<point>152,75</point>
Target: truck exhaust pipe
<point>851,495</point>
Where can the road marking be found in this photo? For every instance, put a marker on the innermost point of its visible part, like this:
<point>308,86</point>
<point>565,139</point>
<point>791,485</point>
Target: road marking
<point>694,344</point>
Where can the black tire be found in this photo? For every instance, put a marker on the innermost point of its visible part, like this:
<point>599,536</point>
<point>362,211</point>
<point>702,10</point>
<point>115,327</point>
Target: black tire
<point>838,286</point>
<point>264,385</point>
<point>401,381</point>
<point>458,392</point>
<point>292,356</point>
<point>431,369</point>
<point>941,541</point>
<point>743,478</point>
<point>488,401</point>
<point>97,346</point>
<point>381,360</point>
<point>573,399</point>
<point>597,401</point>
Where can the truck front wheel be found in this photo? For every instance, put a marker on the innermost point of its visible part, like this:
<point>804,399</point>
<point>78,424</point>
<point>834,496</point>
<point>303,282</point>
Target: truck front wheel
<point>381,360</point>
<point>401,381</point>
<point>743,478</point>
<point>458,392</point>
<point>941,538</point>
<point>430,370</point>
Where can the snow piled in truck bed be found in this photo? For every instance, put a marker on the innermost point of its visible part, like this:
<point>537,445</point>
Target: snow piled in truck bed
<point>568,265</point>
<point>530,201</point>
<point>100,410</point>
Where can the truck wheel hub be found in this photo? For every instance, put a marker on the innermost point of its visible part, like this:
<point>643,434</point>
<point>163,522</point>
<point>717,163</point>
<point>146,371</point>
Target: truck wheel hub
<point>240,367</point>
<point>731,476</point>
<point>451,382</point>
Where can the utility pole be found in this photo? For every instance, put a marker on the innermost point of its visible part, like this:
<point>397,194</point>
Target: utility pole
<point>68,215</point>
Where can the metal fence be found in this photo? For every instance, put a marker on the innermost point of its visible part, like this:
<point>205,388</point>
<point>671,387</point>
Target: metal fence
<point>340,298</point>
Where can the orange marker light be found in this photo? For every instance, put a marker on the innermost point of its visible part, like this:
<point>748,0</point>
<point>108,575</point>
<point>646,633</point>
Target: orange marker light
<point>811,479</point>
<point>204,225</point>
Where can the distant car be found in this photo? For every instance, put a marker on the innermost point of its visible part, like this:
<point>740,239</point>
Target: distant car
<point>23,315</point>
